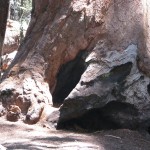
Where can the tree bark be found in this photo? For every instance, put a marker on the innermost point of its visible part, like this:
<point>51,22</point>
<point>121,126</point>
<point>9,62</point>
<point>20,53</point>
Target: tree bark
<point>49,43</point>
<point>58,31</point>
<point>3,18</point>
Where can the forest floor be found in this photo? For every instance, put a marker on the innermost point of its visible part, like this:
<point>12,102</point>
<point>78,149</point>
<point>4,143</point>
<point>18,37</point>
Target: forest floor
<point>21,136</point>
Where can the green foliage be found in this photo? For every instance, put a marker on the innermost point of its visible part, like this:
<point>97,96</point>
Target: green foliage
<point>20,10</point>
<point>25,9</point>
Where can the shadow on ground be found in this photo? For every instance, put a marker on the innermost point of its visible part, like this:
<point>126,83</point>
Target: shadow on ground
<point>18,136</point>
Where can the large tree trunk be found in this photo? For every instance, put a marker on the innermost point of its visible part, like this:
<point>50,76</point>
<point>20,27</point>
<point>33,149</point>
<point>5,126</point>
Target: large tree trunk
<point>54,37</point>
<point>111,34</point>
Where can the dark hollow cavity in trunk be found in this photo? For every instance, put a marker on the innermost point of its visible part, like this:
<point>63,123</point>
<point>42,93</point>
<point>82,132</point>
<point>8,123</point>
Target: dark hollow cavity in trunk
<point>67,78</point>
<point>114,115</point>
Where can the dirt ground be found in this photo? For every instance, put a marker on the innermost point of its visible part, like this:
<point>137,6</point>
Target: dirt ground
<point>20,136</point>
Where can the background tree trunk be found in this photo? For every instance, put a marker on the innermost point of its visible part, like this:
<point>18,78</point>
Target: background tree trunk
<point>3,18</point>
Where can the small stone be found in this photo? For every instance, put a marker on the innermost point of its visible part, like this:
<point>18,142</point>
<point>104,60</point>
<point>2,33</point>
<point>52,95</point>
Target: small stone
<point>13,113</point>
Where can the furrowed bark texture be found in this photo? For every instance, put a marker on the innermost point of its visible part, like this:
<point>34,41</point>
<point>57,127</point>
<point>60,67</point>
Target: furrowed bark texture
<point>114,39</point>
<point>3,18</point>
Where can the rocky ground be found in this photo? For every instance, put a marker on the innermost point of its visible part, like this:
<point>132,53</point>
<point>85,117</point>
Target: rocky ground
<point>18,135</point>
